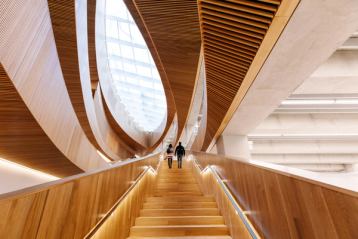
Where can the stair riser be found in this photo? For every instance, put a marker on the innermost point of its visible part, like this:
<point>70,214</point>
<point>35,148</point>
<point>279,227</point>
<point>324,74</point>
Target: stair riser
<point>179,212</point>
<point>200,220</point>
<point>200,231</point>
<point>179,205</point>
<point>179,199</point>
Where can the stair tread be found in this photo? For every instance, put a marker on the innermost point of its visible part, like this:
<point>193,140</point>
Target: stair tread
<point>183,226</point>
<point>181,237</point>
<point>177,208</point>
<point>154,205</point>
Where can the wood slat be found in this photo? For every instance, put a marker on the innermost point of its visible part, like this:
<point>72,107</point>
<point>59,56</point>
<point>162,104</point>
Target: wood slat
<point>63,19</point>
<point>29,56</point>
<point>232,33</point>
<point>173,27</point>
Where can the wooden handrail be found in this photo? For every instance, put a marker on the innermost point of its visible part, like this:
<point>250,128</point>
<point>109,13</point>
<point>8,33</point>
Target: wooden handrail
<point>250,228</point>
<point>125,195</point>
<point>300,174</point>
<point>44,186</point>
<point>69,207</point>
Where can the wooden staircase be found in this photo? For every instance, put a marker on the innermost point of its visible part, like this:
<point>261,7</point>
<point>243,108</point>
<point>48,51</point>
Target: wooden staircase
<point>178,209</point>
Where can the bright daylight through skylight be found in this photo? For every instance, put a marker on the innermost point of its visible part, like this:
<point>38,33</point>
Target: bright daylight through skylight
<point>135,77</point>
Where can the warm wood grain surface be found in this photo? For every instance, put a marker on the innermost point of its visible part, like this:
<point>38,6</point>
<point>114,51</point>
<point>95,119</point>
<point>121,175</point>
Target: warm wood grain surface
<point>173,27</point>
<point>22,139</point>
<point>122,216</point>
<point>28,54</point>
<point>67,208</point>
<point>286,206</point>
<point>210,185</point>
<point>232,33</point>
<point>65,29</point>
<point>174,207</point>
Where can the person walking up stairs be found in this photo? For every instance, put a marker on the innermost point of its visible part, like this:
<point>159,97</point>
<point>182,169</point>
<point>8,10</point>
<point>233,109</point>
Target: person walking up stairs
<point>178,209</point>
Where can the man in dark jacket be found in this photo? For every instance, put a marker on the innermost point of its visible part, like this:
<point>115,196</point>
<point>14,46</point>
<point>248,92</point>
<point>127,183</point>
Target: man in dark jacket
<point>179,152</point>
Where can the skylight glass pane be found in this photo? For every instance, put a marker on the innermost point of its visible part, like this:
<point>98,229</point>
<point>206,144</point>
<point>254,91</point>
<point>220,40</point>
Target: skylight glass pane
<point>135,78</point>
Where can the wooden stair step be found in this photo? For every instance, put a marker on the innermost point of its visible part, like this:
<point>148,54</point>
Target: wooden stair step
<point>179,220</point>
<point>173,205</point>
<point>178,186</point>
<point>181,181</point>
<point>183,237</point>
<point>177,190</point>
<point>156,193</point>
<point>180,212</point>
<point>180,198</point>
<point>183,230</point>
<point>174,184</point>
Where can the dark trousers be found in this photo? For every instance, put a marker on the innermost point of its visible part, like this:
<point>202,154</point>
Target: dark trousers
<point>170,161</point>
<point>180,159</point>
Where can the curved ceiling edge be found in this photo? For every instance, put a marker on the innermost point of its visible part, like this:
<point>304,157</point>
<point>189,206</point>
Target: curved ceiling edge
<point>176,38</point>
<point>234,54</point>
<point>108,135</point>
<point>133,144</point>
<point>22,140</point>
<point>63,19</point>
<point>171,107</point>
<point>137,141</point>
<point>69,24</point>
<point>28,54</point>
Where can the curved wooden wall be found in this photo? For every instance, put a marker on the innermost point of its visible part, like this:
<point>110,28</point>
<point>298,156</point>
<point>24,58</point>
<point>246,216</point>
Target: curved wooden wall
<point>173,27</point>
<point>283,205</point>
<point>108,135</point>
<point>67,208</point>
<point>22,139</point>
<point>125,130</point>
<point>63,18</point>
<point>28,54</point>
<point>91,36</point>
<point>235,34</point>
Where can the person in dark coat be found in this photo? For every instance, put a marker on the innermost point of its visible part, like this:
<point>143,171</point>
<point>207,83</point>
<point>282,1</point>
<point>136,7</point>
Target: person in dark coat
<point>180,153</point>
<point>170,152</point>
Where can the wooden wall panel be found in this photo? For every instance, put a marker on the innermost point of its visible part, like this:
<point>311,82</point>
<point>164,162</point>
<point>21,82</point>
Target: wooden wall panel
<point>67,208</point>
<point>28,54</point>
<point>210,186</point>
<point>283,205</point>
<point>63,18</point>
<point>22,139</point>
<point>74,30</point>
<point>237,38</point>
<point>173,28</point>
<point>122,217</point>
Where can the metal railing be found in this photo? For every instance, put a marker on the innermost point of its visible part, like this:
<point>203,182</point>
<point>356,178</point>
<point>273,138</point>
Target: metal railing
<point>231,198</point>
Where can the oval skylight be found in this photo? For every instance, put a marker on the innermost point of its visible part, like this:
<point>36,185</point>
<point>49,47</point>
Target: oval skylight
<point>135,77</point>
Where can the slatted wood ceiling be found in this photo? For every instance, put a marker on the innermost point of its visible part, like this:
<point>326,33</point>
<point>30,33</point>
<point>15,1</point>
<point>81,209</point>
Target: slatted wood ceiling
<point>232,32</point>
<point>22,139</point>
<point>173,27</point>
<point>63,20</point>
